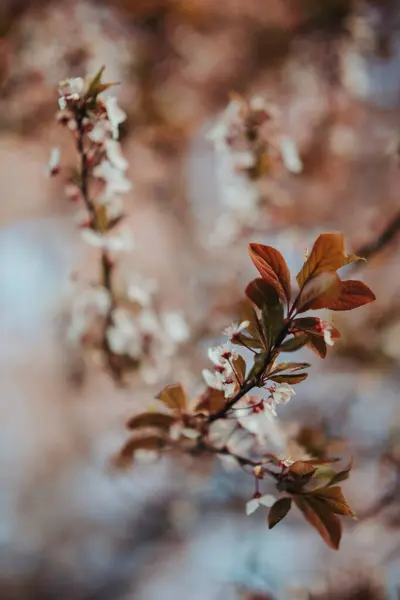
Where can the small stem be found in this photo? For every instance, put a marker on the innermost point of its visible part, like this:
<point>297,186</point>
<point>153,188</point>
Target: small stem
<point>254,381</point>
<point>106,267</point>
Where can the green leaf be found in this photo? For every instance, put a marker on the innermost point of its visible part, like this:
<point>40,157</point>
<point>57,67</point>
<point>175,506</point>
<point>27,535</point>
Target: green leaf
<point>151,419</point>
<point>278,511</point>
<point>289,378</point>
<point>247,341</point>
<point>96,87</point>
<point>272,318</point>
<point>294,344</point>
<point>259,365</point>
<point>93,85</point>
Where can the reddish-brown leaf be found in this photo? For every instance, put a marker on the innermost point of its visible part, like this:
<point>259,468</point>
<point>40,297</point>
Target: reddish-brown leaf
<point>272,267</point>
<point>126,454</point>
<point>318,345</point>
<point>292,378</point>
<point>247,313</point>
<point>334,498</point>
<point>327,255</point>
<point>352,295</point>
<point>300,468</point>
<point>318,290</point>
<point>151,419</point>
<point>278,511</point>
<point>239,365</point>
<point>288,366</point>
<point>341,475</point>
<point>174,397</point>
<point>212,401</point>
<point>294,343</point>
<point>260,293</point>
<point>322,518</point>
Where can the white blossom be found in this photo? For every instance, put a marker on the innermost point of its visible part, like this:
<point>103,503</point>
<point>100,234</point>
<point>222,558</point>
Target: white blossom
<point>257,501</point>
<point>221,355</point>
<point>259,423</point>
<point>145,457</point>
<point>175,326</point>
<point>100,132</point>
<point>177,431</point>
<point>114,178</point>
<point>115,207</point>
<point>148,322</point>
<point>114,155</point>
<point>326,330</point>
<point>220,381</point>
<point>87,305</point>
<point>219,134</point>
<point>53,166</point>
<point>114,242</point>
<point>232,331</point>
<point>141,291</point>
<point>281,395</point>
<point>115,115</point>
<point>70,89</point>
<point>123,336</point>
<point>290,155</point>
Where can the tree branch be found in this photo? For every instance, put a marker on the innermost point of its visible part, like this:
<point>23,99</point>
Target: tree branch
<point>385,238</point>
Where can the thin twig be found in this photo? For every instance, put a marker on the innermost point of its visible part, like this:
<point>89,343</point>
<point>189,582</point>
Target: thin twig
<point>255,380</point>
<point>106,267</point>
<point>385,238</point>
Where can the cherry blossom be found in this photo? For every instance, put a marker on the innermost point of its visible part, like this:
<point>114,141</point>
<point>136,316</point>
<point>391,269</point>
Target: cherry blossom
<point>175,326</point>
<point>119,241</point>
<point>114,155</point>
<point>141,291</point>
<point>100,132</point>
<point>280,395</point>
<point>70,90</point>
<point>326,329</point>
<point>221,355</point>
<point>114,178</point>
<point>259,500</point>
<point>87,305</point>
<point>123,336</point>
<point>224,381</point>
<point>234,330</point>
<point>290,155</point>
<point>53,166</point>
<point>115,115</point>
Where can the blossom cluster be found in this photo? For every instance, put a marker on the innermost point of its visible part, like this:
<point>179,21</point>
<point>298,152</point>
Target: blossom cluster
<point>123,325</point>
<point>235,417</point>
<point>248,147</point>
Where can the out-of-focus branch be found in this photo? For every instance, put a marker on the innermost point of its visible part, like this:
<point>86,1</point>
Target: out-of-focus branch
<point>386,237</point>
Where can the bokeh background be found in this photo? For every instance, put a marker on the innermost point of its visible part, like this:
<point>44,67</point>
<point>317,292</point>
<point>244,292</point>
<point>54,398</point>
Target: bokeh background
<point>176,529</point>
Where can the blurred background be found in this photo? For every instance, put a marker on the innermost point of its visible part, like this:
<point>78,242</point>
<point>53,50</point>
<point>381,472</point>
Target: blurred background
<point>176,529</point>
